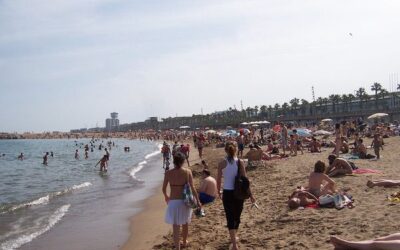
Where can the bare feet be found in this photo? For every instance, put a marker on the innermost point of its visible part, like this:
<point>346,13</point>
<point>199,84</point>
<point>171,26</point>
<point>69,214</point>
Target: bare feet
<point>370,184</point>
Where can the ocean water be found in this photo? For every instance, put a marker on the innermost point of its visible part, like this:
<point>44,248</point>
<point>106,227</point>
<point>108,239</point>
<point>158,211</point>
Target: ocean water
<point>69,204</point>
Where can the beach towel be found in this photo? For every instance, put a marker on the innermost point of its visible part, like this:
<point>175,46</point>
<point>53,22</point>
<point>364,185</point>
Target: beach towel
<point>366,171</point>
<point>350,157</point>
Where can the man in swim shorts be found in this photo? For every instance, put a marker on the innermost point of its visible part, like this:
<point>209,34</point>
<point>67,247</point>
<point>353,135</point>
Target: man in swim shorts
<point>208,188</point>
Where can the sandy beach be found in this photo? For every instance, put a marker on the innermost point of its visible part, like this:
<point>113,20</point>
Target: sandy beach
<point>274,226</point>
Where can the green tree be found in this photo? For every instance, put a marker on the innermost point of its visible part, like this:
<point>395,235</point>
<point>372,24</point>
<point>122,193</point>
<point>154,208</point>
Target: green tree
<point>285,108</point>
<point>361,93</point>
<point>303,106</point>
<point>376,87</point>
<point>294,103</point>
<point>270,110</point>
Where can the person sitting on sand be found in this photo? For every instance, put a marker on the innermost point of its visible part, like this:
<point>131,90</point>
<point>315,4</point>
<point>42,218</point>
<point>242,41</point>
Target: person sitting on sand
<point>319,183</point>
<point>301,198</point>
<point>362,150</point>
<point>383,183</point>
<point>208,188</point>
<point>390,242</point>
<point>338,166</point>
<point>315,146</point>
<point>255,155</point>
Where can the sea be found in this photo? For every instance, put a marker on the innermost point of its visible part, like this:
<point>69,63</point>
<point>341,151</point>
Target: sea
<point>69,203</point>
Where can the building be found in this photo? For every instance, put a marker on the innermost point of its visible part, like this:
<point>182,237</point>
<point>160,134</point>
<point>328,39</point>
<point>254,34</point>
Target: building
<point>112,123</point>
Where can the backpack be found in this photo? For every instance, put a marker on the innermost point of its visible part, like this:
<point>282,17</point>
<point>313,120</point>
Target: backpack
<point>242,185</point>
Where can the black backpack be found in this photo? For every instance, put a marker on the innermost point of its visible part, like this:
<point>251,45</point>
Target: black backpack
<point>242,185</point>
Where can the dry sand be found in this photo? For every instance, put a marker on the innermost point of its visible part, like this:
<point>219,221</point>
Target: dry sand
<point>274,226</point>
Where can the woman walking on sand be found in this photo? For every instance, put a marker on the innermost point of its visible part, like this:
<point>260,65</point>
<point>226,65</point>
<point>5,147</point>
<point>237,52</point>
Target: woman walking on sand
<point>178,214</point>
<point>228,168</point>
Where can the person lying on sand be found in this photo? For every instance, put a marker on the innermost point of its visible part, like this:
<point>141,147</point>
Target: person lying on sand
<point>319,183</point>
<point>301,198</point>
<point>338,166</point>
<point>388,243</point>
<point>383,183</point>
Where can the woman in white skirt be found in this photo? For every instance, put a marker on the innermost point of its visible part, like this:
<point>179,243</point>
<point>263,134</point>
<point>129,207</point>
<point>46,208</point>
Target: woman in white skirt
<point>178,214</point>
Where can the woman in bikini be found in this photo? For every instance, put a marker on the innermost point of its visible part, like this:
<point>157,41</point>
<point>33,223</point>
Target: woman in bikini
<point>178,214</point>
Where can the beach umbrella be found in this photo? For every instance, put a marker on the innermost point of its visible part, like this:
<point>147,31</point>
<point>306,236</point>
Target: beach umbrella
<point>244,123</point>
<point>322,132</point>
<point>326,120</point>
<point>184,127</point>
<point>211,131</point>
<point>377,115</point>
<point>301,132</point>
<point>254,125</point>
<point>265,122</point>
<point>245,131</point>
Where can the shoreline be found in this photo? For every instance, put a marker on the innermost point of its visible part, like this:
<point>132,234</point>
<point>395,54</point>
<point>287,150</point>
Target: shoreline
<point>143,234</point>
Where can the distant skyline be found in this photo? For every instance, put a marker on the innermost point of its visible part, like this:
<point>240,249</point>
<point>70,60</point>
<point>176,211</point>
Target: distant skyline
<point>68,64</point>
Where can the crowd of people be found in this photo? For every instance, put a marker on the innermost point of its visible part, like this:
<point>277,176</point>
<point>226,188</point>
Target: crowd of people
<point>281,141</point>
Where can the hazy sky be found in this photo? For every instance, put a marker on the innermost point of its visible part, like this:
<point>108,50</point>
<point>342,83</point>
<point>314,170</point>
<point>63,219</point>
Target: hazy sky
<point>68,63</point>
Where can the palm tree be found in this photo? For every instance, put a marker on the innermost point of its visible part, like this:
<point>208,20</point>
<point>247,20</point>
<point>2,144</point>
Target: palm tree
<point>294,104</point>
<point>263,110</point>
<point>335,99</point>
<point>361,93</point>
<point>376,87</point>
<point>345,99</point>
<point>350,98</point>
<point>285,107</point>
<point>398,86</point>
<point>303,106</point>
<point>320,102</point>
<point>270,109</point>
<point>276,107</point>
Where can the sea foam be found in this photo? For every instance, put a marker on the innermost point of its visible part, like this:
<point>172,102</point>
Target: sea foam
<point>25,238</point>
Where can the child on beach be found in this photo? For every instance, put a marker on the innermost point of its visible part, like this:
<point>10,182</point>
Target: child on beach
<point>377,145</point>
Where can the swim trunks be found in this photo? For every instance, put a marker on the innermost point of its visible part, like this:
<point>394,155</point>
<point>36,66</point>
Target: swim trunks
<point>205,198</point>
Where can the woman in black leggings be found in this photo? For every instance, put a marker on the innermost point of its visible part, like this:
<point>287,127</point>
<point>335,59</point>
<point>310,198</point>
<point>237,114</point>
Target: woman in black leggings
<point>228,169</point>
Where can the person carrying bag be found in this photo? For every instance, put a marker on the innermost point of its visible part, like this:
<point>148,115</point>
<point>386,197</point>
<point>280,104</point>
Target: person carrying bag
<point>236,189</point>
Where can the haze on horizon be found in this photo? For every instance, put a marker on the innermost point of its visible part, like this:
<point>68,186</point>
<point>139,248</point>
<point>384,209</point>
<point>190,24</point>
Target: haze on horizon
<point>68,64</point>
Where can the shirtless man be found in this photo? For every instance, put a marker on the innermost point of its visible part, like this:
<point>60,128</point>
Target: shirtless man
<point>21,157</point>
<point>240,143</point>
<point>284,133</point>
<point>208,188</point>
<point>338,166</point>
<point>45,158</point>
<point>301,198</point>
<point>319,183</point>
<point>76,154</point>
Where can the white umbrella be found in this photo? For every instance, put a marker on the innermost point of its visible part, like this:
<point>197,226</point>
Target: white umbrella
<point>322,132</point>
<point>244,123</point>
<point>254,125</point>
<point>326,120</point>
<point>183,127</point>
<point>265,122</point>
<point>211,131</point>
<point>377,115</point>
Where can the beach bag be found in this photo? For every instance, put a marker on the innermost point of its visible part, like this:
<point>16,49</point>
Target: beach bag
<point>242,185</point>
<point>188,198</point>
<point>326,200</point>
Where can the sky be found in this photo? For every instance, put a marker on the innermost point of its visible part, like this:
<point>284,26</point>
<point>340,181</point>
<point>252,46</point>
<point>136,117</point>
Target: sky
<point>67,64</point>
